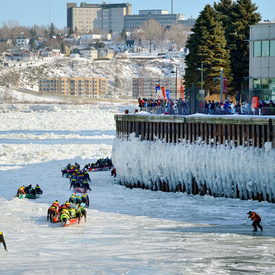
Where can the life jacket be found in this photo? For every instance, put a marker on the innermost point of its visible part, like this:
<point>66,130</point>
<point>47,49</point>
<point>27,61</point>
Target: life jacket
<point>254,216</point>
<point>55,203</point>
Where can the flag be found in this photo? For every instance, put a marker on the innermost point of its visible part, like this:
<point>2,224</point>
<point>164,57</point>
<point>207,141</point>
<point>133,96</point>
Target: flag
<point>181,91</point>
<point>163,92</point>
<point>158,91</point>
<point>167,94</point>
<point>224,84</point>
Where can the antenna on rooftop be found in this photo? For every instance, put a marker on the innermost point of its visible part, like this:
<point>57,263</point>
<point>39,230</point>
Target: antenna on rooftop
<point>49,12</point>
<point>172,7</point>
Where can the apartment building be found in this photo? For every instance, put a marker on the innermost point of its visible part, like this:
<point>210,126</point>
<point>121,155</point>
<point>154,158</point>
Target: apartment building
<point>104,16</point>
<point>262,61</point>
<point>145,87</point>
<point>76,86</point>
<point>163,18</point>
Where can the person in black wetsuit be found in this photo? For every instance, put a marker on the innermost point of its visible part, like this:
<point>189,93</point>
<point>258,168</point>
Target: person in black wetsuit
<point>2,240</point>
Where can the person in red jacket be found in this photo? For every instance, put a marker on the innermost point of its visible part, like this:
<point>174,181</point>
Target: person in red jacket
<point>256,220</point>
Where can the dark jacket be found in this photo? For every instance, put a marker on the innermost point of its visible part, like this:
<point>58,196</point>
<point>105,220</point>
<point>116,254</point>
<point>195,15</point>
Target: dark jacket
<point>2,240</point>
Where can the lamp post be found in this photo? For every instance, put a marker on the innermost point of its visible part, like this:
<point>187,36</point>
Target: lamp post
<point>201,69</point>
<point>221,84</point>
<point>221,79</point>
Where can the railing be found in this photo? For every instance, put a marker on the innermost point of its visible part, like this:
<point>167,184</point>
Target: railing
<point>158,110</point>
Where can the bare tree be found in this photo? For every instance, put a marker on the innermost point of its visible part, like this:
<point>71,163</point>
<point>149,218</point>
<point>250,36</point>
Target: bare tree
<point>12,30</point>
<point>152,31</point>
<point>178,34</point>
<point>3,47</point>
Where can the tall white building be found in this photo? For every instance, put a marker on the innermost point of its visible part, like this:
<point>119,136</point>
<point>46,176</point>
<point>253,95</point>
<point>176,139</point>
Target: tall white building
<point>104,16</point>
<point>262,61</point>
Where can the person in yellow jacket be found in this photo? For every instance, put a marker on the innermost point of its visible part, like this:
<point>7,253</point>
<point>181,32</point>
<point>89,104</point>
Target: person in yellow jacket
<point>256,218</point>
<point>21,191</point>
<point>2,240</point>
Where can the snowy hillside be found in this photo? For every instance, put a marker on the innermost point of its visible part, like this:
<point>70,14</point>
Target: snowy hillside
<point>118,71</point>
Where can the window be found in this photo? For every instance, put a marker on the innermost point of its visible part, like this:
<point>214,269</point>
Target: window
<point>257,49</point>
<point>265,48</point>
<point>272,48</point>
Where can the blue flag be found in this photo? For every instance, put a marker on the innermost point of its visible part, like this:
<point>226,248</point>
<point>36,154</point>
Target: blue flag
<point>168,94</point>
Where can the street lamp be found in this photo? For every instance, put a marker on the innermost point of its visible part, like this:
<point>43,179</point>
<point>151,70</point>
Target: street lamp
<point>221,79</point>
<point>176,93</point>
<point>201,69</point>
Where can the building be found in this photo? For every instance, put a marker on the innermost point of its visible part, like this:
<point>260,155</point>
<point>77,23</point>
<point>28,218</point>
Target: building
<point>262,61</point>
<point>146,87</point>
<point>22,41</point>
<point>86,39</point>
<point>105,53</point>
<point>88,53</point>
<point>174,53</point>
<point>132,22</point>
<point>19,53</point>
<point>104,16</point>
<point>76,86</point>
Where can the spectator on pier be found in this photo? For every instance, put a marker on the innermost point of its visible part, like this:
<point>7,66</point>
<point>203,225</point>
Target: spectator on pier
<point>238,96</point>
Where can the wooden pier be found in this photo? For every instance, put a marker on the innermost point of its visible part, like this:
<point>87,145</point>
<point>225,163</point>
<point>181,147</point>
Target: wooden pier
<point>232,131</point>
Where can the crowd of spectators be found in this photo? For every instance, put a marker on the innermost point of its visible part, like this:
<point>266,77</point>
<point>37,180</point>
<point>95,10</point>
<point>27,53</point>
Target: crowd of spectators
<point>211,107</point>
<point>160,106</point>
<point>228,107</point>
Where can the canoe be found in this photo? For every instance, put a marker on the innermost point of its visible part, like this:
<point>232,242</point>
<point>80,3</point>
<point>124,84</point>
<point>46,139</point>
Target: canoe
<point>29,196</point>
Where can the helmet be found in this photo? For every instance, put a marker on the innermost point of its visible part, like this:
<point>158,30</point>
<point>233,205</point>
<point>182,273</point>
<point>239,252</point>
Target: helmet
<point>249,212</point>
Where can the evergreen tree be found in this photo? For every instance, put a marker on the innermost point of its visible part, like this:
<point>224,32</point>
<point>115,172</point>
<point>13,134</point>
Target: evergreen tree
<point>62,47</point>
<point>224,9</point>
<point>71,31</point>
<point>52,30</point>
<point>207,45</point>
<point>243,15</point>
<point>123,34</point>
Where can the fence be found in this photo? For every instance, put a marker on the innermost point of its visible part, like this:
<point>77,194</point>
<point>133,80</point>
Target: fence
<point>158,110</point>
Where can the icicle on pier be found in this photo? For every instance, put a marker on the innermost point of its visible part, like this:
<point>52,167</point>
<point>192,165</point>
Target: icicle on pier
<point>229,156</point>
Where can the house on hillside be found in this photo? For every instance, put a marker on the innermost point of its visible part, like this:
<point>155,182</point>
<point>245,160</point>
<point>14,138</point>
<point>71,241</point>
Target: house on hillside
<point>29,55</point>
<point>105,53</point>
<point>129,46</point>
<point>87,39</point>
<point>89,53</point>
<point>174,53</point>
<point>18,53</point>
<point>22,41</point>
<point>47,51</point>
<point>7,41</point>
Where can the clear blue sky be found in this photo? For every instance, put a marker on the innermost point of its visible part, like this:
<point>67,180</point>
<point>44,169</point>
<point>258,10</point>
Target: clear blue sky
<point>29,12</point>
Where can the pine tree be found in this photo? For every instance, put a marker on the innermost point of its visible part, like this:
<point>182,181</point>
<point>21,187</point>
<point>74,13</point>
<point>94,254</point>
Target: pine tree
<point>224,9</point>
<point>243,15</point>
<point>52,30</point>
<point>123,35</point>
<point>207,45</point>
<point>62,47</point>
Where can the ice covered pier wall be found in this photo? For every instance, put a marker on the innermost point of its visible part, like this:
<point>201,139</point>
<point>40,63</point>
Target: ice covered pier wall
<point>229,156</point>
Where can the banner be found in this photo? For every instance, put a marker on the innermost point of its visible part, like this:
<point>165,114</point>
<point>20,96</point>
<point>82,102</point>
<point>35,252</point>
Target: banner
<point>181,91</point>
<point>158,91</point>
<point>224,84</point>
<point>167,94</point>
<point>163,92</point>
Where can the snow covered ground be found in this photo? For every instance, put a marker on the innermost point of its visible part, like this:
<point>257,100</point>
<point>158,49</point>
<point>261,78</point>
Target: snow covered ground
<point>128,231</point>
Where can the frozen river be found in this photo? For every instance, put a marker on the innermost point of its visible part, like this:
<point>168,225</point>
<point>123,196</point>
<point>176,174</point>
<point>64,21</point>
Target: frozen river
<point>128,231</point>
